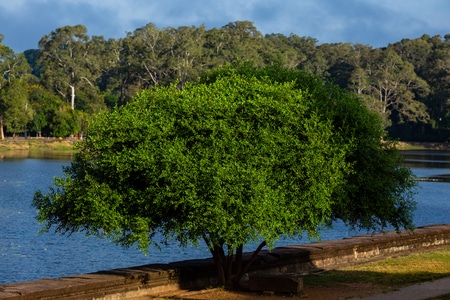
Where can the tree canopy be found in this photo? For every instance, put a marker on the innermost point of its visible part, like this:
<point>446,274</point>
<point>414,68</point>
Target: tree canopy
<point>245,155</point>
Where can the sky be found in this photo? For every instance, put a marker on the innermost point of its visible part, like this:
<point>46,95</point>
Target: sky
<point>370,22</point>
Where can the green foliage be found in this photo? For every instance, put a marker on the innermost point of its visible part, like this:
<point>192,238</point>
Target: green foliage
<point>53,115</point>
<point>377,192</point>
<point>65,122</point>
<point>247,155</point>
<point>73,62</point>
<point>15,109</point>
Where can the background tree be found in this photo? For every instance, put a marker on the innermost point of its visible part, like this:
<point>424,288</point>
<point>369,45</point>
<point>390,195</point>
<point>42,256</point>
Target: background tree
<point>395,84</point>
<point>71,61</point>
<point>45,104</point>
<point>242,42</point>
<point>16,110</point>
<point>247,155</point>
<point>185,59</point>
<point>141,62</point>
<point>65,122</point>
<point>15,77</point>
<point>4,52</point>
<point>279,50</point>
<point>390,85</point>
<point>431,59</point>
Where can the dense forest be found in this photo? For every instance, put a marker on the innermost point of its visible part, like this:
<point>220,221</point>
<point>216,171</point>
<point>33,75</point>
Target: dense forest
<point>54,90</point>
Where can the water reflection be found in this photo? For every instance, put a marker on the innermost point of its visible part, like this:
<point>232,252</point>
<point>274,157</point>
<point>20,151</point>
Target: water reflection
<point>429,165</point>
<point>37,154</point>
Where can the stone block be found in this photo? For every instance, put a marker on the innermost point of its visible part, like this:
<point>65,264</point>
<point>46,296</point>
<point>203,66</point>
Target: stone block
<point>279,283</point>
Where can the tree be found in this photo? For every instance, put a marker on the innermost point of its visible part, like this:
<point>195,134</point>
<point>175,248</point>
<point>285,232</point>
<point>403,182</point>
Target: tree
<point>280,50</point>
<point>241,41</point>
<point>140,60</point>
<point>389,85</point>
<point>72,61</point>
<point>14,77</point>
<point>435,68</point>
<point>245,156</point>
<point>16,111</point>
<point>184,60</point>
<point>46,105</point>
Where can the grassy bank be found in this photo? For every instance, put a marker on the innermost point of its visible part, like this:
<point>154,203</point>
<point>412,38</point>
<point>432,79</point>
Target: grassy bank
<point>388,274</point>
<point>45,144</point>
<point>11,144</point>
<point>353,282</point>
<point>423,146</point>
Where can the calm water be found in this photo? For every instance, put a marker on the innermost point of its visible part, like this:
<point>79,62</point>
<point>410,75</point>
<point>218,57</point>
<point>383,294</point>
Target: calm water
<point>26,255</point>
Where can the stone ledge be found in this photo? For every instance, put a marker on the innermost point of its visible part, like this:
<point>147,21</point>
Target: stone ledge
<point>161,279</point>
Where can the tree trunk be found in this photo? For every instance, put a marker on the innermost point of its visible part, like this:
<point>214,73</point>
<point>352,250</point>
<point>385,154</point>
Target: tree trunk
<point>248,264</point>
<point>229,268</point>
<point>72,97</point>
<point>123,91</point>
<point>2,135</point>
<point>217,256</point>
<point>238,261</point>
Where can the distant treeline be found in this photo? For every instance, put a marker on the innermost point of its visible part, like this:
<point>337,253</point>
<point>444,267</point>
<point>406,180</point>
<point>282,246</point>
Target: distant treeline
<point>54,90</point>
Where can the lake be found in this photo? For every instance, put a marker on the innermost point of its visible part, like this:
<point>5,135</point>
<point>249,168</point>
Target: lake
<point>26,255</point>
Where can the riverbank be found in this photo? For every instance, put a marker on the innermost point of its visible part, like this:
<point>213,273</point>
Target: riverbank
<point>67,144</point>
<point>423,146</point>
<point>37,144</point>
<point>48,148</point>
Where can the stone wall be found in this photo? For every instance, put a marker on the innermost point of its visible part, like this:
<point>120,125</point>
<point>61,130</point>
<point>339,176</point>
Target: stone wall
<point>153,280</point>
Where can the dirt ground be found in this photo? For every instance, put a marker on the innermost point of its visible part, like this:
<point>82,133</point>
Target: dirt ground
<point>342,291</point>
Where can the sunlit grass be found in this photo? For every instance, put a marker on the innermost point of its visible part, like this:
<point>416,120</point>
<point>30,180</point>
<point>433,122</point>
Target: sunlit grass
<point>392,272</point>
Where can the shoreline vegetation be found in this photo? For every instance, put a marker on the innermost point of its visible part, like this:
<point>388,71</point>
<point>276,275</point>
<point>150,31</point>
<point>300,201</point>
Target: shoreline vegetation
<point>59,148</point>
<point>56,144</point>
<point>67,144</point>
<point>55,148</point>
<point>423,146</point>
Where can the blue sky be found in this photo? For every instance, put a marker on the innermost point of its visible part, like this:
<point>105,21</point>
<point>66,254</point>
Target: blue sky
<point>370,22</point>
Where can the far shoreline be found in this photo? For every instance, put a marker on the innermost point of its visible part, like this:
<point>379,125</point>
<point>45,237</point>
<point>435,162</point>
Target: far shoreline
<point>423,146</point>
<point>68,144</point>
<point>38,144</point>
<point>39,148</point>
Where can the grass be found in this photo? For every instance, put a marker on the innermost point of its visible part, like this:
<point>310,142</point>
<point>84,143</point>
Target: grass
<point>391,272</point>
<point>36,144</point>
<point>422,146</point>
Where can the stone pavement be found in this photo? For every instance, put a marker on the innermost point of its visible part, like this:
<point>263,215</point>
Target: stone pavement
<point>421,291</point>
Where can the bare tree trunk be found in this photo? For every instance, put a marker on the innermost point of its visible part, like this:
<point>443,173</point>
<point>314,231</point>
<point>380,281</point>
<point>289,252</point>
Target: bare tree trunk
<point>123,90</point>
<point>2,134</point>
<point>72,97</point>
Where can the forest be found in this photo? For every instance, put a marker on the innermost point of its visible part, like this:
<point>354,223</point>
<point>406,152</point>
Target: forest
<point>54,90</point>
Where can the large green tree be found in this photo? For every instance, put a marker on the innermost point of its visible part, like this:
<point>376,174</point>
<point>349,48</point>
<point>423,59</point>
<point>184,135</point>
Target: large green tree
<point>247,155</point>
